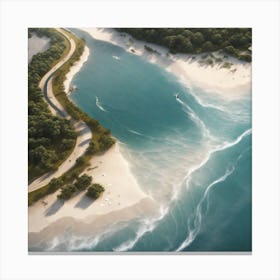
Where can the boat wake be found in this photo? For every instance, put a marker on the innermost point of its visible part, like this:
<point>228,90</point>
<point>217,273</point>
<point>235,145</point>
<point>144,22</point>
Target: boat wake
<point>99,105</point>
<point>135,132</point>
<point>116,57</point>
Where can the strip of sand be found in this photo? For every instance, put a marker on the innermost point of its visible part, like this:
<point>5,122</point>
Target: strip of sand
<point>229,81</point>
<point>122,200</point>
<point>121,191</point>
<point>75,69</point>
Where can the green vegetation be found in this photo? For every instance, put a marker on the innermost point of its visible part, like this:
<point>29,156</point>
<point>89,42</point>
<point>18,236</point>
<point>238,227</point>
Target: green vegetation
<point>226,65</point>
<point>233,41</point>
<point>50,138</point>
<point>67,192</point>
<point>101,137</point>
<point>82,183</point>
<point>149,49</point>
<point>94,191</point>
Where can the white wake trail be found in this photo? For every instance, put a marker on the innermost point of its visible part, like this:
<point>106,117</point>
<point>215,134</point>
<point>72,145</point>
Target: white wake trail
<point>99,105</point>
<point>135,132</point>
<point>116,57</point>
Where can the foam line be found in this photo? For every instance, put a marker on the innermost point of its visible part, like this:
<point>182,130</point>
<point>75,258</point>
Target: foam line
<point>198,212</point>
<point>196,119</point>
<point>206,105</point>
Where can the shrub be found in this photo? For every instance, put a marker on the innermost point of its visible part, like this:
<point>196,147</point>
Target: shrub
<point>67,192</point>
<point>94,191</point>
<point>83,182</point>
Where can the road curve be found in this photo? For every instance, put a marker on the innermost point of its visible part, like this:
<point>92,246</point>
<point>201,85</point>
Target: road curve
<point>83,131</point>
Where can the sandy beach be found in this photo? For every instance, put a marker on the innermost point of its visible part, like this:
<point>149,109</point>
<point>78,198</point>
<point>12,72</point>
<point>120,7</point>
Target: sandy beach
<point>75,69</point>
<point>122,199</point>
<point>228,83</point>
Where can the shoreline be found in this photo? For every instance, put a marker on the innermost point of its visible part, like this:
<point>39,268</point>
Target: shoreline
<point>225,83</point>
<point>122,200</point>
<point>75,69</point>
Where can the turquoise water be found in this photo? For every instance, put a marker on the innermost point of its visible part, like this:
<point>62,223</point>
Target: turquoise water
<point>191,154</point>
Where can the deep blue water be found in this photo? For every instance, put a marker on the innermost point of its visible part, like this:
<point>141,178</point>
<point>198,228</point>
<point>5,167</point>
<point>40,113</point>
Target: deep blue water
<point>192,154</point>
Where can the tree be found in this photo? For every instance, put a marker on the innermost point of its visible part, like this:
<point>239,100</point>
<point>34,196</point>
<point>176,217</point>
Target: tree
<point>67,192</point>
<point>94,191</point>
<point>198,38</point>
<point>207,46</point>
<point>83,182</point>
<point>230,50</point>
<point>55,183</point>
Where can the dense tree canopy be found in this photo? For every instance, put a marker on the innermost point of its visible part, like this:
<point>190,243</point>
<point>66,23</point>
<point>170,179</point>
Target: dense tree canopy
<point>94,191</point>
<point>234,41</point>
<point>49,137</point>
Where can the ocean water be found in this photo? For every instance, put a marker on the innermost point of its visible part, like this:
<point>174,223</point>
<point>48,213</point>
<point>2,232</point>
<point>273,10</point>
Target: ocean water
<point>192,154</point>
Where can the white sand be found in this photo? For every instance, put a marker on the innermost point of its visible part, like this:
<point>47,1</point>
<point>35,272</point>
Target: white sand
<point>122,200</point>
<point>121,191</point>
<point>226,83</point>
<point>75,69</point>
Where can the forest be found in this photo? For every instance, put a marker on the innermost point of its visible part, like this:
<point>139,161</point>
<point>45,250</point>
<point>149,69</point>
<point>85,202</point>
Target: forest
<point>57,131</point>
<point>50,138</point>
<point>236,42</point>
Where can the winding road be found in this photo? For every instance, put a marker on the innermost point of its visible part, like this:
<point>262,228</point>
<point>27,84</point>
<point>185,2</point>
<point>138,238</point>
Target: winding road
<point>83,132</point>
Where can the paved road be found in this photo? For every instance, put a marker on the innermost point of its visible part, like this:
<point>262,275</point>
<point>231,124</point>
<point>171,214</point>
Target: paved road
<point>83,131</point>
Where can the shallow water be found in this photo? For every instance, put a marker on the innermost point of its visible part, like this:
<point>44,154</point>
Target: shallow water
<point>192,154</point>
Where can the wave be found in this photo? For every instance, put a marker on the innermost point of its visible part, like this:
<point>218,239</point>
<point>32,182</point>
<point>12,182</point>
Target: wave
<point>203,104</point>
<point>147,225</point>
<point>196,119</point>
<point>99,105</point>
<point>198,212</point>
<point>225,145</point>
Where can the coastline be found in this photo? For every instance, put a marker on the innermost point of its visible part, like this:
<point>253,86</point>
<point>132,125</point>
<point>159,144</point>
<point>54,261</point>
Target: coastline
<point>225,83</point>
<point>122,199</point>
<point>75,69</point>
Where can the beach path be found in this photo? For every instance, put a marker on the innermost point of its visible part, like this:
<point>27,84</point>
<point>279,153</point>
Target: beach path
<point>83,132</point>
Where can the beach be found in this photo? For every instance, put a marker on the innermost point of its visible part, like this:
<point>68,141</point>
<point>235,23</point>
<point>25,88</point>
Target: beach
<point>122,199</point>
<point>75,69</point>
<point>53,223</point>
<point>230,83</point>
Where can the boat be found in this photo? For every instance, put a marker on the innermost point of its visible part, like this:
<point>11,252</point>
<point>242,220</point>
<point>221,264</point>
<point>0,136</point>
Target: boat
<point>177,95</point>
